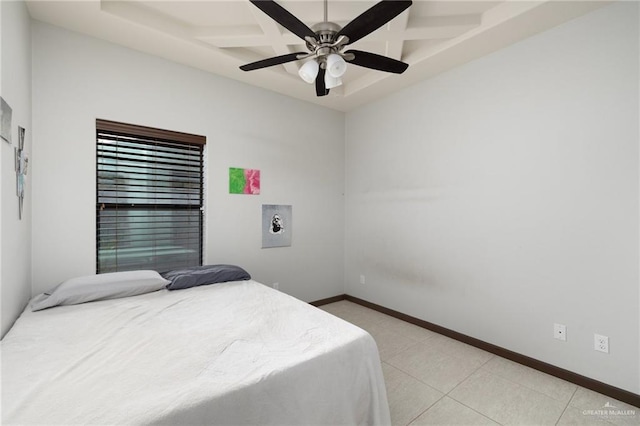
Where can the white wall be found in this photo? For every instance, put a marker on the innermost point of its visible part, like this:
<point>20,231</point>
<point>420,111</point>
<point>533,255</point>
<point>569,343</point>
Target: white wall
<point>15,259</point>
<point>502,196</point>
<point>77,79</point>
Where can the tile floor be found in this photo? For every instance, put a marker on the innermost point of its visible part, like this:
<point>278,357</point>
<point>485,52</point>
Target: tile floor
<point>434,380</point>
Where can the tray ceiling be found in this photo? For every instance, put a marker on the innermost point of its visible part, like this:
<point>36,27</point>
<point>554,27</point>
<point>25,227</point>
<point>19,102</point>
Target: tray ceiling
<point>220,35</point>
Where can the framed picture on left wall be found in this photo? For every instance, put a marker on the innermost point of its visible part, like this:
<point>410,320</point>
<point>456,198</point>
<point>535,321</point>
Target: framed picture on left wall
<point>5,121</point>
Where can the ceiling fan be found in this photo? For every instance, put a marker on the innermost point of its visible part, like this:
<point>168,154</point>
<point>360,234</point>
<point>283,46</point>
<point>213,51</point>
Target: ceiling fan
<point>326,41</point>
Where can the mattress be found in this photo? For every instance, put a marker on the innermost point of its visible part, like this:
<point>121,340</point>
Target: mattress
<point>224,354</point>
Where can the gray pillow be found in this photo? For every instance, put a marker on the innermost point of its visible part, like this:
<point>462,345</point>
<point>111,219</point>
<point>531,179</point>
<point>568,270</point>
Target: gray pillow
<point>203,275</point>
<point>112,285</point>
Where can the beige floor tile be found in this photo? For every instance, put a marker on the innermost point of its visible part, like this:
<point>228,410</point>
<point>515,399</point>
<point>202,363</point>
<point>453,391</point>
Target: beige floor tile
<point>593,403</point>
<point>533,379</point>
<point>460,350</point>
<point>406,329</point>
<point>433,367</point>
<point>343,306</point>
<point>354,313</point>
<point>506,402</point>
<point>333,307</point>
<point>408,397</point>
<point>575,416</point>
<point>448,412</point>
<point>389,343</point>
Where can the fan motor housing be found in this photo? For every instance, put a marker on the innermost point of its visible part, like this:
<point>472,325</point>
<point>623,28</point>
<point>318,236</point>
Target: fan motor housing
<point>325,33</point>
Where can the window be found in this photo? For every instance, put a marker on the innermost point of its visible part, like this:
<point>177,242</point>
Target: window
<point>149,193</point>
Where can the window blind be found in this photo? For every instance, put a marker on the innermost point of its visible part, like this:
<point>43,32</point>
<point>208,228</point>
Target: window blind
<point>149,206</point>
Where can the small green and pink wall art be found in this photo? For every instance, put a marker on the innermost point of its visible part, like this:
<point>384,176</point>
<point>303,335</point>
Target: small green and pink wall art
<point>244,181</point>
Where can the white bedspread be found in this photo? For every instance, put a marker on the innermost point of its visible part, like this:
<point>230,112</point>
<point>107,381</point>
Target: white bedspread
<point>224,354</point>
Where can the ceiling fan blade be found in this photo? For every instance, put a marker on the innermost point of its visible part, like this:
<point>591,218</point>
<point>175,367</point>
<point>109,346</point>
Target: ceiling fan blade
<point>377,62</point>
<point>269,62</point>
<point>284,18</point>
<point>373,18</point>
<point>321,89</point>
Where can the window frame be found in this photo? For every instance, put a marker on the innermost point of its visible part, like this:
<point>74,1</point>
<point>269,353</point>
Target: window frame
<point>149,134</point>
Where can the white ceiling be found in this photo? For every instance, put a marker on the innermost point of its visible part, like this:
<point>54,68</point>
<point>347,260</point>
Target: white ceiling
<point>220,35</point>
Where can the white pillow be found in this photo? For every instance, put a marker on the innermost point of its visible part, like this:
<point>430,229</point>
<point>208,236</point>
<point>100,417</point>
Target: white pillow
<point>112,285</point>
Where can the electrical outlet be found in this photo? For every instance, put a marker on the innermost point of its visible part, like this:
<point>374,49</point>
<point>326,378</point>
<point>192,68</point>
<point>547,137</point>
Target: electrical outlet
<point>276,285</point>
<point>601,343</point>
<point>362,279</point>
<point>560,332</point>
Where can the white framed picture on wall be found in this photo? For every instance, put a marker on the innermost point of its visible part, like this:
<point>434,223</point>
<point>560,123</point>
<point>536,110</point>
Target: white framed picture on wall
<point>276,225</point>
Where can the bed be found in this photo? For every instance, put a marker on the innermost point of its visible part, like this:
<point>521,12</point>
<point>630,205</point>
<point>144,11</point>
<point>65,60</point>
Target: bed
<point>225,354</point>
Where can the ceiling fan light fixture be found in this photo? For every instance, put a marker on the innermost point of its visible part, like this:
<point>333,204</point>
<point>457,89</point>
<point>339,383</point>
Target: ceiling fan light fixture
<point>309,71</point>
<point>336,65</point>
<point>330,81</point>
<point>326,40</point>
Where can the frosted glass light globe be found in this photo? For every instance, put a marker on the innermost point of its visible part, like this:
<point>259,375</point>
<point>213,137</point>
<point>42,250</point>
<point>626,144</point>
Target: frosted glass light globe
<point>330,81</point>
<point>336,66</point>
<point>309,71</point>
